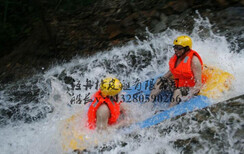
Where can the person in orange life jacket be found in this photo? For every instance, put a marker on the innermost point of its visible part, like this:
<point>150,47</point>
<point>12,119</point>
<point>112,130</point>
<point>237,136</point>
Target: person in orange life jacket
<point>105,108</point>
<point>185,68</point>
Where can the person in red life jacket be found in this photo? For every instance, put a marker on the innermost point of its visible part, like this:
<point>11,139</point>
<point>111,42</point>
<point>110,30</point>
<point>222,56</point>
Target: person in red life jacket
<point>185,68</point>
<point>105,109</point>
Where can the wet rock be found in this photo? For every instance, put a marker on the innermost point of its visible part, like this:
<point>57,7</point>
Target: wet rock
<point>128,21</point>
<point>242,2</point>
<point>174,20</point>
<point>239,133</point>
<point>115,42</point>
<point>201,117</point>
<point>185,144</point>
<point>104,23</point>
<point>214,109</point>
<point>114,30</point>
<point>222,2</point>
<point>159,23</point>
<point>235,104</point>
<point>180,6</point>
<point>69,80</point>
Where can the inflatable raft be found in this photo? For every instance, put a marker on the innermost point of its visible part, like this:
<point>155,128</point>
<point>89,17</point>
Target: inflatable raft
<point>217,82</point>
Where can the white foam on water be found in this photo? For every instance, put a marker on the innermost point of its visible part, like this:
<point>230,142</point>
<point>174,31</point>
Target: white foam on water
<point>143,60</point>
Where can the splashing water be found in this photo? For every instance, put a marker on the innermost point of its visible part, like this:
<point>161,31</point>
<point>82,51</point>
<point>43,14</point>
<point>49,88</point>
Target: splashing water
<point>31,111</point>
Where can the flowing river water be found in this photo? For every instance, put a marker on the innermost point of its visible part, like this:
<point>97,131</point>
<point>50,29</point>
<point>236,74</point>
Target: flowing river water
<point>32,111</point>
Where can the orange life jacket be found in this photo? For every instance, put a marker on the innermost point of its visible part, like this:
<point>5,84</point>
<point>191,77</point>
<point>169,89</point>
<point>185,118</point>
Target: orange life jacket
<point>98,100</point>
<point>183,74</point>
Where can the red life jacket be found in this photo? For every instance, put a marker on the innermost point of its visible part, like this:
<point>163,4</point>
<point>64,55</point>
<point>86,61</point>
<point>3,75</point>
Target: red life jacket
<point>98,100</point>
<point>183,74</point>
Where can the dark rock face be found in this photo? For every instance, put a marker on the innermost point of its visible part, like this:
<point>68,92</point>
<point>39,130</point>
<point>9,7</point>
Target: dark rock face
<point>105,24</point>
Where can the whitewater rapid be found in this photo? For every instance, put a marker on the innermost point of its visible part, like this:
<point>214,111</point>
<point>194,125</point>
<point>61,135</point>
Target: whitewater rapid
<point>35,126</point>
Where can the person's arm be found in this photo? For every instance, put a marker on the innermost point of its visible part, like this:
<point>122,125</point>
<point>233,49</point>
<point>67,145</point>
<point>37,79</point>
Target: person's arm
<point>168,74</point>
<point>197,71</point>
<point>156,89</point>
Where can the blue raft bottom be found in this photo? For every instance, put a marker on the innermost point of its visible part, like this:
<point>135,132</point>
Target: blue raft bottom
<point>140,93</point>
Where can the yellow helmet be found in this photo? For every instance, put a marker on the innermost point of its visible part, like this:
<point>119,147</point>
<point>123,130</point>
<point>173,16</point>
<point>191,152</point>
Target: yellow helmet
<point>110,86</point>
<point>183,41</point>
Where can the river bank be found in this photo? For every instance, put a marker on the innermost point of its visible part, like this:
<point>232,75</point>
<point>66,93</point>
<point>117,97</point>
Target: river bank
<point>105,24</point>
